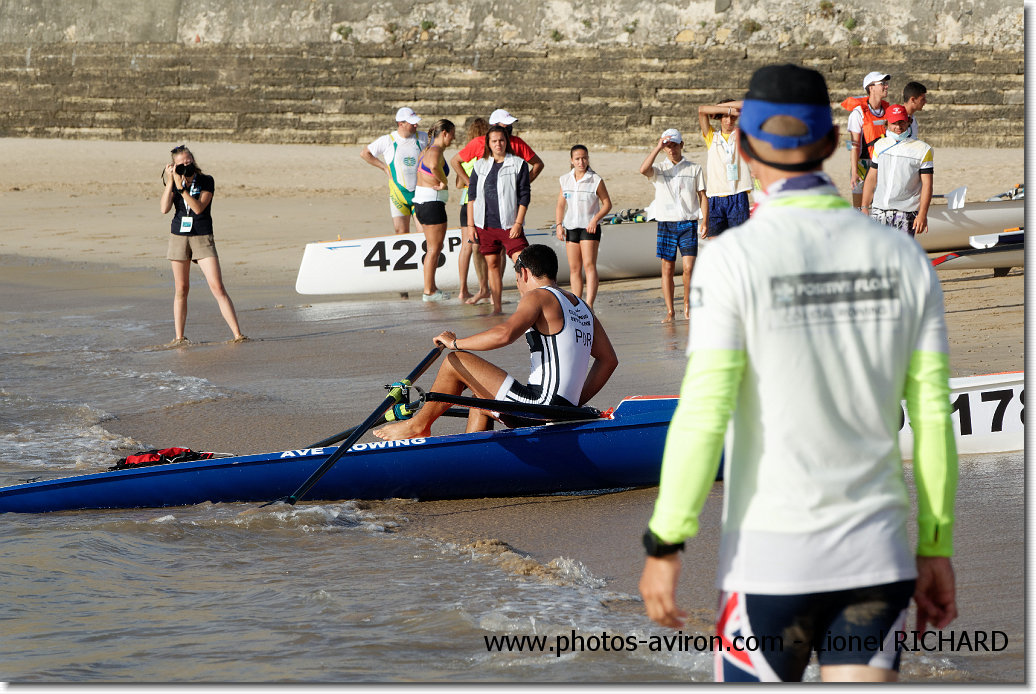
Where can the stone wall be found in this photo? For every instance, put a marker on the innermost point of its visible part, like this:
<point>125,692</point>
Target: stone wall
<point>520,23</point>
<point>334,72</point>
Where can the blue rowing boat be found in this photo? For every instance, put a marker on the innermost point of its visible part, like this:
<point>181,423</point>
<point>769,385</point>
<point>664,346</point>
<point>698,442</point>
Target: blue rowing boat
<point>620,449</point>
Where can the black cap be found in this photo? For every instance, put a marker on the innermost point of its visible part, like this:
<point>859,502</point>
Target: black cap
<point>788,84</point>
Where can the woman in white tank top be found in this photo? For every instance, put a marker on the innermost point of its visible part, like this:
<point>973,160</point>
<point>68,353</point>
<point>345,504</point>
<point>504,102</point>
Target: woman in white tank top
<point>582,203</point>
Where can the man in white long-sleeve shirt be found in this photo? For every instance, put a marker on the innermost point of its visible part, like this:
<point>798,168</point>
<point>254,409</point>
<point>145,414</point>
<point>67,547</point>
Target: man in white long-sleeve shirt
<point>809,324</point>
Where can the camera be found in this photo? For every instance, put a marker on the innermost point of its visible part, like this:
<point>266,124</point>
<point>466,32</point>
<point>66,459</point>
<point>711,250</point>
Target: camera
<point>185,169</point>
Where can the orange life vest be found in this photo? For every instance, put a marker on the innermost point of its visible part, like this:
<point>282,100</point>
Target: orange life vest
<point>873,126</point>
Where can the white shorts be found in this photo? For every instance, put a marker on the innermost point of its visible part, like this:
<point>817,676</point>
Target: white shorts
<point>396,212</point>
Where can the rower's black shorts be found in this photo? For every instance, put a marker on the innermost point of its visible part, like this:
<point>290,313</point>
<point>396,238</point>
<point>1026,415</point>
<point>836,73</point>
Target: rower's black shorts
<point>431,212</point>
<point>514,391</point>
<point>770,638</point>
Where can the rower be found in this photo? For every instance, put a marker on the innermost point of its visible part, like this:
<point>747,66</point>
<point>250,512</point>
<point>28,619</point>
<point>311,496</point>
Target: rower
<point>564,337</point>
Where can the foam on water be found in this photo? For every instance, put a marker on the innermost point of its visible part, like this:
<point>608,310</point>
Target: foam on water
<point>41,435</point>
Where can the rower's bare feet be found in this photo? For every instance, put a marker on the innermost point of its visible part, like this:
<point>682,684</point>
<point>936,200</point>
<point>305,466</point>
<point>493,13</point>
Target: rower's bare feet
<point>686,310</point>
<point>397,431</point>
<point>497,310</point>
<point>668,317</point>
<point>481,296</point>
<point>464,295</point>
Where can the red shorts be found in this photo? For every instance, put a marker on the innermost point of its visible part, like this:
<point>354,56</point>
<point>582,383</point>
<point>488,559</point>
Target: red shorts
<point>491,240</point>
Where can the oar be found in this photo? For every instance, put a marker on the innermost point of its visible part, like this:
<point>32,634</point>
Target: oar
<point>556,412</point>
<point>396,394</point>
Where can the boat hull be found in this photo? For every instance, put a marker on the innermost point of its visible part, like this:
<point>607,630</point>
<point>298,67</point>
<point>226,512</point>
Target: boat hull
<point>988,414</point>
<point>982,258</point>
<point>393,263</point>
<point>619,452</point>
<point>623,451</point>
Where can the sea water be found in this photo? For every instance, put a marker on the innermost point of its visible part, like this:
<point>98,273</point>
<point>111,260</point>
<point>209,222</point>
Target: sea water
<point>329,592</point>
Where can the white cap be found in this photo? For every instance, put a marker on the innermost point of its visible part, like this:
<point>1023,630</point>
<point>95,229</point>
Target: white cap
<point>501,117</point>
<point>673,135</point>
<point>407,114</point>
<point>873,77</point>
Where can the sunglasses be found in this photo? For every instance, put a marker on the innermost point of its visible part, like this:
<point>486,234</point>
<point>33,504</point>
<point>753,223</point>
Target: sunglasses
<point>518,265</point>
<point>178,149</point>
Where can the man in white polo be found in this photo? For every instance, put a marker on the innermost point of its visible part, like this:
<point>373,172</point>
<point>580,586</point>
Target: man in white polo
<point>399,150</point>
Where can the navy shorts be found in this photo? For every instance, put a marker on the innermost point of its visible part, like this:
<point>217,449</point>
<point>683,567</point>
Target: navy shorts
<point>770,638</point>
<point>727,211</point>
<point>673,235</point>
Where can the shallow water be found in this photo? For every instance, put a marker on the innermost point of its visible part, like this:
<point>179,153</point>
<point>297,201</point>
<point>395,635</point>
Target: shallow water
<point>348,591</point>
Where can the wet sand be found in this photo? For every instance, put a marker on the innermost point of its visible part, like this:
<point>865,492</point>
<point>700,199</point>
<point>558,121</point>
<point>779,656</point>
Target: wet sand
<point>316,365</point>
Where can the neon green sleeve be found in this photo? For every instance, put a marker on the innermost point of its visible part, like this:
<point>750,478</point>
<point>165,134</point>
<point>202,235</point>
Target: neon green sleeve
<point>935,451</point>
<point>695,441</point>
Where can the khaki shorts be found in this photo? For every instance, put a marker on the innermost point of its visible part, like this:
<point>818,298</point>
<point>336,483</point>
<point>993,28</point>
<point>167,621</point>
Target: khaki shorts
<point>191,247</point>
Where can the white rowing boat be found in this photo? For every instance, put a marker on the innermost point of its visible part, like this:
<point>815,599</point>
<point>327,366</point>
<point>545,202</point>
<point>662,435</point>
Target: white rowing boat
<point>394,263</point>
<point>988,414</point>
<point>951,230</point>
<point>999,252</point>
<point>1001,259</point>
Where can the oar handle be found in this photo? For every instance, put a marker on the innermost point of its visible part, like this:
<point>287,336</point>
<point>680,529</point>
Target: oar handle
<point>396,394</point>
<point>546,412</point>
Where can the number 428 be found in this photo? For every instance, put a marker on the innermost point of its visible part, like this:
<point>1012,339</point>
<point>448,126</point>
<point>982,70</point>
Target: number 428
<point>404,252</point>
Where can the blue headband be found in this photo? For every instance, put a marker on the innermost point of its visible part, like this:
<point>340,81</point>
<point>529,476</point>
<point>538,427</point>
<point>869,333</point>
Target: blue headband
<point>755,113</point>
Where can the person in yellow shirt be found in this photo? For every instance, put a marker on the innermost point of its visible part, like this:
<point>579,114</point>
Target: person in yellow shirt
<point>727,178</point>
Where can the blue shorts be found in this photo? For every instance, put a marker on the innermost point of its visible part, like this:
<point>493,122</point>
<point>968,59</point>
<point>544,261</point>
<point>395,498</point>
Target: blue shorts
<point>727,211</point>
<point>858,626</point>
<point>673,235</point>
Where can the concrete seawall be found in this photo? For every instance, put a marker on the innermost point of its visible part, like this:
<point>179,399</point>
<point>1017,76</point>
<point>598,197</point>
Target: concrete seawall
<point>333,72</point>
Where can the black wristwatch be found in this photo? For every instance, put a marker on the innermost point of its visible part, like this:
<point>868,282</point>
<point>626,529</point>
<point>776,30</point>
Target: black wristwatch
<point>656,548</point>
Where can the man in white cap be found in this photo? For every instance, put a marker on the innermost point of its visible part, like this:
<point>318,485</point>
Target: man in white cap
<point>679,202</point>
<point>866,126</point>
<point>476,147</point>
<point>399,150</point>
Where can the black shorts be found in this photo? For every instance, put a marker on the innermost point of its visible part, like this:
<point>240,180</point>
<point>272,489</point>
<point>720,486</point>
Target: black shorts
<point>431,212</point>
<point>858,626</point>
<point>464,215</point>
<point>577,235</point>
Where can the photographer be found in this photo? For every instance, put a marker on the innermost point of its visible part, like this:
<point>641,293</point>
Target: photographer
<point>188,192</point>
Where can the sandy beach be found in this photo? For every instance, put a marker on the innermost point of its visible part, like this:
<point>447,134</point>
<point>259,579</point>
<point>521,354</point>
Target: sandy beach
<point>66,196</point>
<point>81,226</point>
